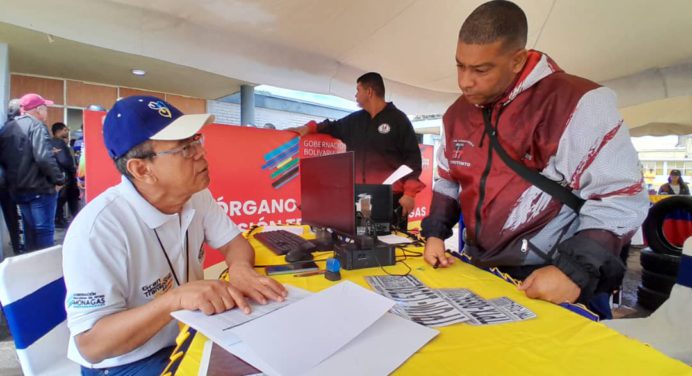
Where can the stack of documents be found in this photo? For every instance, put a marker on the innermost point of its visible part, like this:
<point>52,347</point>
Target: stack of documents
<point>441,307</point>
<point>317,334</point>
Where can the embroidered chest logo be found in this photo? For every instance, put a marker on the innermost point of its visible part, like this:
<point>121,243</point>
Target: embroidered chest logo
<point>384,128</point>
<point>457,150</point>
<point>459,146</point>
<point>158,287</point>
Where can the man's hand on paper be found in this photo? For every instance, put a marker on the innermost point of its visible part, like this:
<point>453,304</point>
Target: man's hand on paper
<point>208,296</point>
<point>258,287</point>
<point>551,284</point>
<point>434,253</point>
<point>407,203</point>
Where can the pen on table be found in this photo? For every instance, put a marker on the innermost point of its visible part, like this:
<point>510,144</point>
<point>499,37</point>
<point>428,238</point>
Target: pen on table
<point>310,273</point>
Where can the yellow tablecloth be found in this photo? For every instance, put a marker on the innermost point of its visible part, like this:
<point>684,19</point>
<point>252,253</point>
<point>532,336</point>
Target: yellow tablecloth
<point>557,342</point>
<point>656,198</point>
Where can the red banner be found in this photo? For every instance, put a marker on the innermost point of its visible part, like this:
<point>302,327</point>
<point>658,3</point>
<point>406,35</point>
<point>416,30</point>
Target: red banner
<point>254,172</point>
<point>424,197</point>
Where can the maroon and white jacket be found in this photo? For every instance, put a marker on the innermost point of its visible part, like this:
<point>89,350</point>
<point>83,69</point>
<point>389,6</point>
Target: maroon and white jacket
<point>569,130</point>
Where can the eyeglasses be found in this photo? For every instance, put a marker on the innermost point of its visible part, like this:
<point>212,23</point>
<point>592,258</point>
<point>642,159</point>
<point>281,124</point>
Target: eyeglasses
<point>188,150</point>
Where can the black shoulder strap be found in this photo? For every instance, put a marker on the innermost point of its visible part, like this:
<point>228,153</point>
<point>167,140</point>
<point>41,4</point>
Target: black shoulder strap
<point>534,177</point>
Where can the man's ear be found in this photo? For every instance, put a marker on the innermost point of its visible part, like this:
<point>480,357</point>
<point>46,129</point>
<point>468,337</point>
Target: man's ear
<point>141,170</point>
<point>519,60</point>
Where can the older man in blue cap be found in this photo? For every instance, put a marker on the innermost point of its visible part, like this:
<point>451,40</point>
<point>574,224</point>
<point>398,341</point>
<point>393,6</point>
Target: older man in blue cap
<point>135,253</point>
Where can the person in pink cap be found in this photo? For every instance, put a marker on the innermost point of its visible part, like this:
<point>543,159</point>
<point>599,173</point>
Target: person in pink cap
<point>34,102</point>
<point>32,171</point>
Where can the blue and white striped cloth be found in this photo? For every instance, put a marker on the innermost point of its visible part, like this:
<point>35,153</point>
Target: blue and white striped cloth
<point>32,293</point>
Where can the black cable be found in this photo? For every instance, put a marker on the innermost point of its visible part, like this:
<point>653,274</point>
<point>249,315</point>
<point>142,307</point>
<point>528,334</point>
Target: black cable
<point>405,251</point>
<point>251,230</point>
<point>395,262</point>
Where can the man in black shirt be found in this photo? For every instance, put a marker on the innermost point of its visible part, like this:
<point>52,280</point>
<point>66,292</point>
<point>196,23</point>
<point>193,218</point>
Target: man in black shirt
<point>70,192</point>
<point>382,139</point>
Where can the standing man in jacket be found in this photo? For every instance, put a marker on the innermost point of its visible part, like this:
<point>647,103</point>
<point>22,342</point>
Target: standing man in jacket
<point>9,207</point>
<point>564,127</point>
<point>382,138</point>
<point>32,171</point>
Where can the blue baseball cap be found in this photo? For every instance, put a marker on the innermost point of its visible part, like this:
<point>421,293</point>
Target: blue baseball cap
<point>136,119</point>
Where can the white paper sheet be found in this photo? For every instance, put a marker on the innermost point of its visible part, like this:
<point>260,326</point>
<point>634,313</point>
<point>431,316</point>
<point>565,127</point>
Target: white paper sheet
<point>296,338</point>
<point>217,327</point>
<point>400,172</point>
<point>394,239</point>
<point>379,350</point>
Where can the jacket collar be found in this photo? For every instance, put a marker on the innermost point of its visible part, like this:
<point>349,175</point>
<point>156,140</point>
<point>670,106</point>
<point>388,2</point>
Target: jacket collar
<point>537,67</point>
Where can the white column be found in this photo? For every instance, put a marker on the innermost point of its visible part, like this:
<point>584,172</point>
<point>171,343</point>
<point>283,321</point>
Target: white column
<point>4,99</point>
<point>247,105</point>
<point>4,80</point>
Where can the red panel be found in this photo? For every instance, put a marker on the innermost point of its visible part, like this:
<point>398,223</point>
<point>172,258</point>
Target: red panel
<point>248,193</point>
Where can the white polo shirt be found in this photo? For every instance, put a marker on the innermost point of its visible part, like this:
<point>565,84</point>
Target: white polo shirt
<point>113,261</point>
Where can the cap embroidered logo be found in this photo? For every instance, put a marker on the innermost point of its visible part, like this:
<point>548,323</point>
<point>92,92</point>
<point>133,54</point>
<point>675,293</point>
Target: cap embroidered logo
<point>161,108</point>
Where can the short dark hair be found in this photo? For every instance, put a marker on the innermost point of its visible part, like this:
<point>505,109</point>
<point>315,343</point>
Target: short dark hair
<point>372,81</point>
<point>495,20</point>
<point>141,151</point>
<point>57,127</point>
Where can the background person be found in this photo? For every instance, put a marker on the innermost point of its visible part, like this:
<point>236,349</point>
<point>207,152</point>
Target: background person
<point>31,170</point>
<point>9,207</point>
<point>69,193</point>
<point>675,185</point>
<point>382,138</point>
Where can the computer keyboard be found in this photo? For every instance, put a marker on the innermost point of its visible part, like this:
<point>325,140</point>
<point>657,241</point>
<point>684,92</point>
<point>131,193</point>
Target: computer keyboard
<point>282,242</point>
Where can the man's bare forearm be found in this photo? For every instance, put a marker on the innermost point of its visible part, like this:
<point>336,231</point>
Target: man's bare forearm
<point>125,331</point>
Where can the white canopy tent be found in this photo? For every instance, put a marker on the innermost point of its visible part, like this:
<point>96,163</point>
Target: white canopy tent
<point>638,47</point>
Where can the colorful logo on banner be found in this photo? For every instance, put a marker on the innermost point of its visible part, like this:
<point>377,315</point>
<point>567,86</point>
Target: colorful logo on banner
<point>283,163</point>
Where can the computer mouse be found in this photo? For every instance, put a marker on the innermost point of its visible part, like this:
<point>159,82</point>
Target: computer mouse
<point>298,254</point>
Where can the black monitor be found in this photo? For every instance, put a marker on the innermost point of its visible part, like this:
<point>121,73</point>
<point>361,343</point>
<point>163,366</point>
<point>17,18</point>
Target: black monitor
<point>327,193</point>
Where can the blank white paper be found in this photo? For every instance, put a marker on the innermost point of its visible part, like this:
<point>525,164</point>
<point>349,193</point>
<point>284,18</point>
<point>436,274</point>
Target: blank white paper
<point>394,239</point>
<point>296,338</point>
<point>218,327</point>
<point>379,350</point>
<point>400,172</point>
